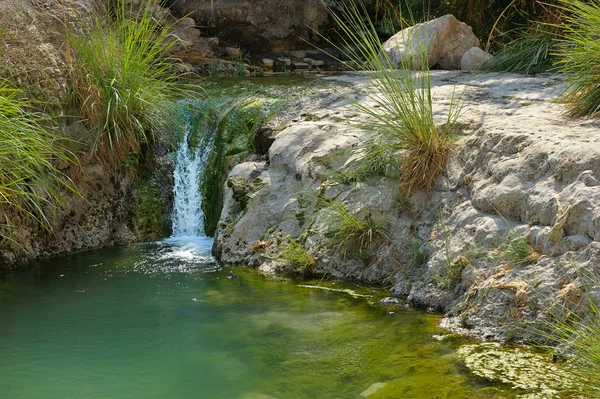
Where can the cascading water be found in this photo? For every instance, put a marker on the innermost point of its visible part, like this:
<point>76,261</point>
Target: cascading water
<point>188,217</point>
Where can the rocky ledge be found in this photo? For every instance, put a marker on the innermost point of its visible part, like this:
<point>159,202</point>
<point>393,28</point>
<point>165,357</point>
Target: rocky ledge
<point>521,167</point>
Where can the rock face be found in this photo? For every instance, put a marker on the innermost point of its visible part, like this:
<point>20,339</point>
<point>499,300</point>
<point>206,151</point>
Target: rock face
<point>260,25</point>
<point>521,166</point>
<point>474,58</point>
<point>443,41</point>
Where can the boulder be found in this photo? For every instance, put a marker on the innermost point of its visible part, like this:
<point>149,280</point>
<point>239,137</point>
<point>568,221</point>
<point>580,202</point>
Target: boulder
<point>443,40</point>
<point>474,58</point>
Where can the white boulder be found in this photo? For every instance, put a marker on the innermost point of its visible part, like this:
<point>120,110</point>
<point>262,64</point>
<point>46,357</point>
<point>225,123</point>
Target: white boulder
<point>474,58</point>
<point>443,40</point>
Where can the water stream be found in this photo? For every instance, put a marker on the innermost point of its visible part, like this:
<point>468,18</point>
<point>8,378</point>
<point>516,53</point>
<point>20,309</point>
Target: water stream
<point>164,320</point>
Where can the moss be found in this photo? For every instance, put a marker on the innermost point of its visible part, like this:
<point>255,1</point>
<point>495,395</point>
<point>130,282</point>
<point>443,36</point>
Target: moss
<point>150,221</point>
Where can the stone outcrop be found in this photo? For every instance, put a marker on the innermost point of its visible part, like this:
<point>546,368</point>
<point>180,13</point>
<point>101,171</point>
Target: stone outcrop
<point>443,41</point>
<point>521,167</point>
<point>259,25</point>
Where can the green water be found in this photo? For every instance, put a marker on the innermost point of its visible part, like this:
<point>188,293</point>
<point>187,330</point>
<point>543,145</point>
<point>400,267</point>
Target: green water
<point>164,321</point>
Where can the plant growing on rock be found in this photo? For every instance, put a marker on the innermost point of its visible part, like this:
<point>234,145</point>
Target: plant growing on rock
<point>353,233</point>
<point>296,254</point>
<point>398,100</point>
<point>124,83</point>
<point>517,251</point>
<point>579,52</point>
<point>30,181</point>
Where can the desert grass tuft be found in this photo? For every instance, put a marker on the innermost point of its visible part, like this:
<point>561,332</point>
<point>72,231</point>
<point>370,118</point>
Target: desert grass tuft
<point>296,254</point>
<point>30,181</point>
<point>398,100</point>
<point>529,53</point>
<point>124,82</point>
<point>516,250</point>
<point>579,52</point>
<point>356,233</point>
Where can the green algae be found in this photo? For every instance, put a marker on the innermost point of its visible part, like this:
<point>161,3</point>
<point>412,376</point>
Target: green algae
<point>153,321</point>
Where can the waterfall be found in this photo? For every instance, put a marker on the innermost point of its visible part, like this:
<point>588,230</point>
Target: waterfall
<point>188,217</point>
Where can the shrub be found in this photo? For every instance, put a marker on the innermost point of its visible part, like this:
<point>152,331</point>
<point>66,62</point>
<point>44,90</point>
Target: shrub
<point>124,83</point>
<point>399,101</point>
<point>29,180</point>
<point>579,52</point>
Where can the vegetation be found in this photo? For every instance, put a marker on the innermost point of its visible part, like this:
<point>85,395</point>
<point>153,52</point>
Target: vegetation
<point>124,83</point>
<point>517,251</point>
<point>296,254</point>
<point>529,53</point>
<point>30,181</point>
<point>577,336</point>
<point>149,212</point>
<point>353,233</point>
<point>399,101</point>
<point>579,50</point>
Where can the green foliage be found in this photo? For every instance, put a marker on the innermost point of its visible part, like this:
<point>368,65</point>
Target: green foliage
<point>356,234</point>
<point>235,122</point>
<point>124,83</point>
<point>399,101</point>
<point>30,181</point>
<point>529,53</point>
<point>517,251</point>
<point>296,254</point>
<point>579,52</point>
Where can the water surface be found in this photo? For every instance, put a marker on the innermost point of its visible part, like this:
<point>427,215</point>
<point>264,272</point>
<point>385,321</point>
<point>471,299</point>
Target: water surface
<point>163,320</point>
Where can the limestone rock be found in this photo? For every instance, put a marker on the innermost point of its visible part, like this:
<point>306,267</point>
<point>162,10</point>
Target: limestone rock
<point>443,41</point>
<point>474,58</point>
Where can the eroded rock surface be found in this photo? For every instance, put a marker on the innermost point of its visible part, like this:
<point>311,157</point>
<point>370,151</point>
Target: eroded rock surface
<point>521,166</point>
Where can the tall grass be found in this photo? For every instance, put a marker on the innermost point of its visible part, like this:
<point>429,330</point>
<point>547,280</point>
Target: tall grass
<point>124,82</point>
<point>579,336</point>
<point>579,52</point>
<point>30,182</point>
<point>356,233</point>
<point>529,53</point>
<point>398,100</point>
<point>296,254</point>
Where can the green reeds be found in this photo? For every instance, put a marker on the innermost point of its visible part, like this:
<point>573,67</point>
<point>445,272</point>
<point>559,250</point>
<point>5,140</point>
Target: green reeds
<point>124,82</point>
<point>398,100</point>
<point>30,181</point>
<point>579,52</point>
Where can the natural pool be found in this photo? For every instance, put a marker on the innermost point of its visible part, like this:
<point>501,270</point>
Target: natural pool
<point>163,320</point>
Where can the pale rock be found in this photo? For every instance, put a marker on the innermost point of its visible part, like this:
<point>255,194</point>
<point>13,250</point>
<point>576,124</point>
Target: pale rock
<point>474,58</point>
<point>267,62</point>
<point>443,41</point>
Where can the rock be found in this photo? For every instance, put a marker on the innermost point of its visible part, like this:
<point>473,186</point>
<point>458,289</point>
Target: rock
<point>257,25</point>
<point>372,389</point>
<point>316,63</point>
<point>301,65</point>
<point>474,58</point>
<point>232,52</point>
<point>390,300</point>
<point>263,140</point>
<point>443,40</point>
<point>267,62</point>
<point>285,61</point>
<point>213,42</point>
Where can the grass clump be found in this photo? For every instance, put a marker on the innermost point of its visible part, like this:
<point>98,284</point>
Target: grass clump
<point>30,181</point>
<point>398,100</point>
<point>356,234</point>
<point>296,254</point>
<point>517,251</point>
<point>529,53</point>
<point>124,83</point>
<point>579,52</point>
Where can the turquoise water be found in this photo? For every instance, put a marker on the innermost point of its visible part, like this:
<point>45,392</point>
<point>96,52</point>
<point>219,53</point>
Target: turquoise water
<point>163,320</point>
